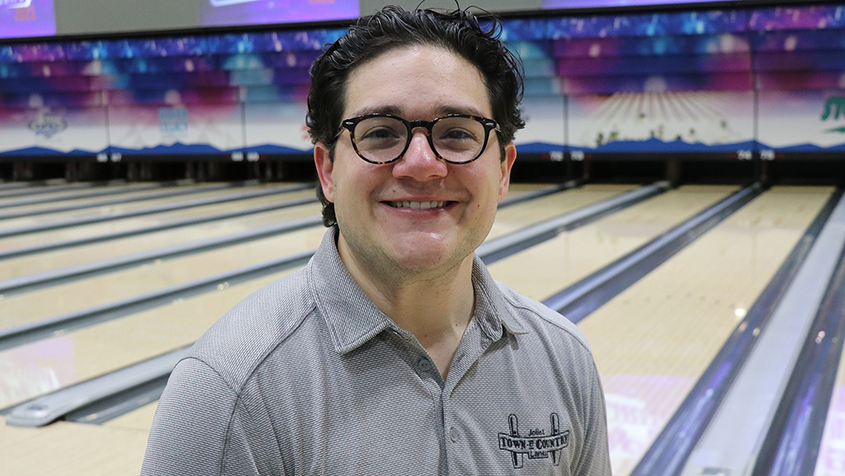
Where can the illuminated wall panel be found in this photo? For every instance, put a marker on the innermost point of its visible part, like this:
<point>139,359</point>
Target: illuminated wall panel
<point>670,81</point>
<point>544,126</point>
<point>276,128</point>
<point>53,131</point>
<point>181,129</point>
<point>697,121</point>
<point>648,24</point>
<point>805,121</point>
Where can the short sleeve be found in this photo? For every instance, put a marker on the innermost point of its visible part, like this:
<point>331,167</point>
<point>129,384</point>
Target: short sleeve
<point>193,426</point>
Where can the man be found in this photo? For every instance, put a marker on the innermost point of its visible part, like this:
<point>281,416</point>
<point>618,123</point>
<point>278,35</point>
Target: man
<point>393,352</point>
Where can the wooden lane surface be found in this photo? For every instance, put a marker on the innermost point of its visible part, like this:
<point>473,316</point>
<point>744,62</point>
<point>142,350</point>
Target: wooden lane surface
<point>134,223</point>
<point>72,198</point>
<point>517,216</point>
<point>100,289</point>
<point>54,197</point>
<point>70,449</point>
<point>120,207</point>
<point>61,258</point>
<point>654,340</point>
<point>146,198</point>
<point>60,192</point>
<point>541,271</point>
<point>25,189</point>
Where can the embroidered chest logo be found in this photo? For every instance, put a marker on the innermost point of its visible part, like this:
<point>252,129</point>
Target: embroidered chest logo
<point>537,445</point>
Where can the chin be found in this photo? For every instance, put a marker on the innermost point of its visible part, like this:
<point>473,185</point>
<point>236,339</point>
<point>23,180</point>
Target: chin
<point>422,258</point>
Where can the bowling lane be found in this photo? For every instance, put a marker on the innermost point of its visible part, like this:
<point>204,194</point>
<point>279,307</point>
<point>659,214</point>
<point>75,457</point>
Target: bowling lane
<point>54,192</point>
<point>513,218</point>
<point>106,210</point>
<point>142,194</point>
<point>95,290</point>
<point>13,188</point>
<point>61,258</point>
<point>653,341</point>
<point>51,199</point>
<point>543,270</point>
<point>34,369</point>
<point>134,223</point>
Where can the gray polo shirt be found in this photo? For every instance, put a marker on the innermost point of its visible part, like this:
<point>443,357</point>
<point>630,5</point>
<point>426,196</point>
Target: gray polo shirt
<point>308,377</point>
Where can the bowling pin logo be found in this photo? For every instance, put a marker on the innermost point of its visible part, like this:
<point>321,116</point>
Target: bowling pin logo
<point>537,445</point>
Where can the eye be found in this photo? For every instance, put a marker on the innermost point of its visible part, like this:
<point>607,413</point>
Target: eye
<point>379,133</point>
<point>457,134</point>
<point>380,129</point>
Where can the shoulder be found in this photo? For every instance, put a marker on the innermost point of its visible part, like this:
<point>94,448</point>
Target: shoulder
<point>536,316</point>
<point>240,340</point>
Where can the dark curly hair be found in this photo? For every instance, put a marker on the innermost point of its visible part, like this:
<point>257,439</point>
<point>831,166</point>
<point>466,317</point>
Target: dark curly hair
<point>394,27</point>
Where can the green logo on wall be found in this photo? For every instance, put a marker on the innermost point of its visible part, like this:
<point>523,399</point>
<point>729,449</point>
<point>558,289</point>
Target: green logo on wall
<point>834,106</point>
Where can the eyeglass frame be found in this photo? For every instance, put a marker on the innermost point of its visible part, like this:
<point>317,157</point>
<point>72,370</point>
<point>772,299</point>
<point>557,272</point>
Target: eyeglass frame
<point>487,123</point>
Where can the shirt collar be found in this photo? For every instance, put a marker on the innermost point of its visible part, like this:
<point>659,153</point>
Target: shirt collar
<point>353,319</point>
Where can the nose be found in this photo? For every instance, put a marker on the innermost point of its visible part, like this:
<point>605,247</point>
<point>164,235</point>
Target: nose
<point>420,162</point>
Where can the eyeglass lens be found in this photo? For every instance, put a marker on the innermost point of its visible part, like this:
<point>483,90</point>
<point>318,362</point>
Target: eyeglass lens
<point>383,139</point>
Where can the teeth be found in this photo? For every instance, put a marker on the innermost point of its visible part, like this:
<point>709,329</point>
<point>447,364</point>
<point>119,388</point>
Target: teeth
<point>419,205</point>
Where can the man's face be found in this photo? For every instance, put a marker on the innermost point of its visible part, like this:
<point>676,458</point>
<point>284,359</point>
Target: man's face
<point>381,228</point>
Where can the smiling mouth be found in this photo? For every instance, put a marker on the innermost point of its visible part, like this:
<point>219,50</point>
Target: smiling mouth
<point>418,205</point>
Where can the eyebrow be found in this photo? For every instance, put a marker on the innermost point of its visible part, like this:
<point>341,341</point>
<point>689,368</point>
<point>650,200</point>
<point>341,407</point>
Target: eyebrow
<point>440,111</point>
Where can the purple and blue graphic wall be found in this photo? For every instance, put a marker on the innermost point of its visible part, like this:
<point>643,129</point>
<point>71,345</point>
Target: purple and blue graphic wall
<point>725,82</point>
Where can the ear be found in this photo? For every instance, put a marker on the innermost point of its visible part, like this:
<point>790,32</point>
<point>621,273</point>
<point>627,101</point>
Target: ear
<point>507,165</point>
<point>325,167</point>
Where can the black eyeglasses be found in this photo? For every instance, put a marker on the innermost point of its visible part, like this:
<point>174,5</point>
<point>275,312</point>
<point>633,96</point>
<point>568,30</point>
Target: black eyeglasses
<point>454,138</point>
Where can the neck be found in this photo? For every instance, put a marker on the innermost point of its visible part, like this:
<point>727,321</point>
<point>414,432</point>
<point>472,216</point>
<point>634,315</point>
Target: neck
<point>436,307</point>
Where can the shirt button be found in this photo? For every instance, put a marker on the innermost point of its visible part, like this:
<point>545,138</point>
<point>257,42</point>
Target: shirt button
<point>453,434</point>
<point>424,365</point>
